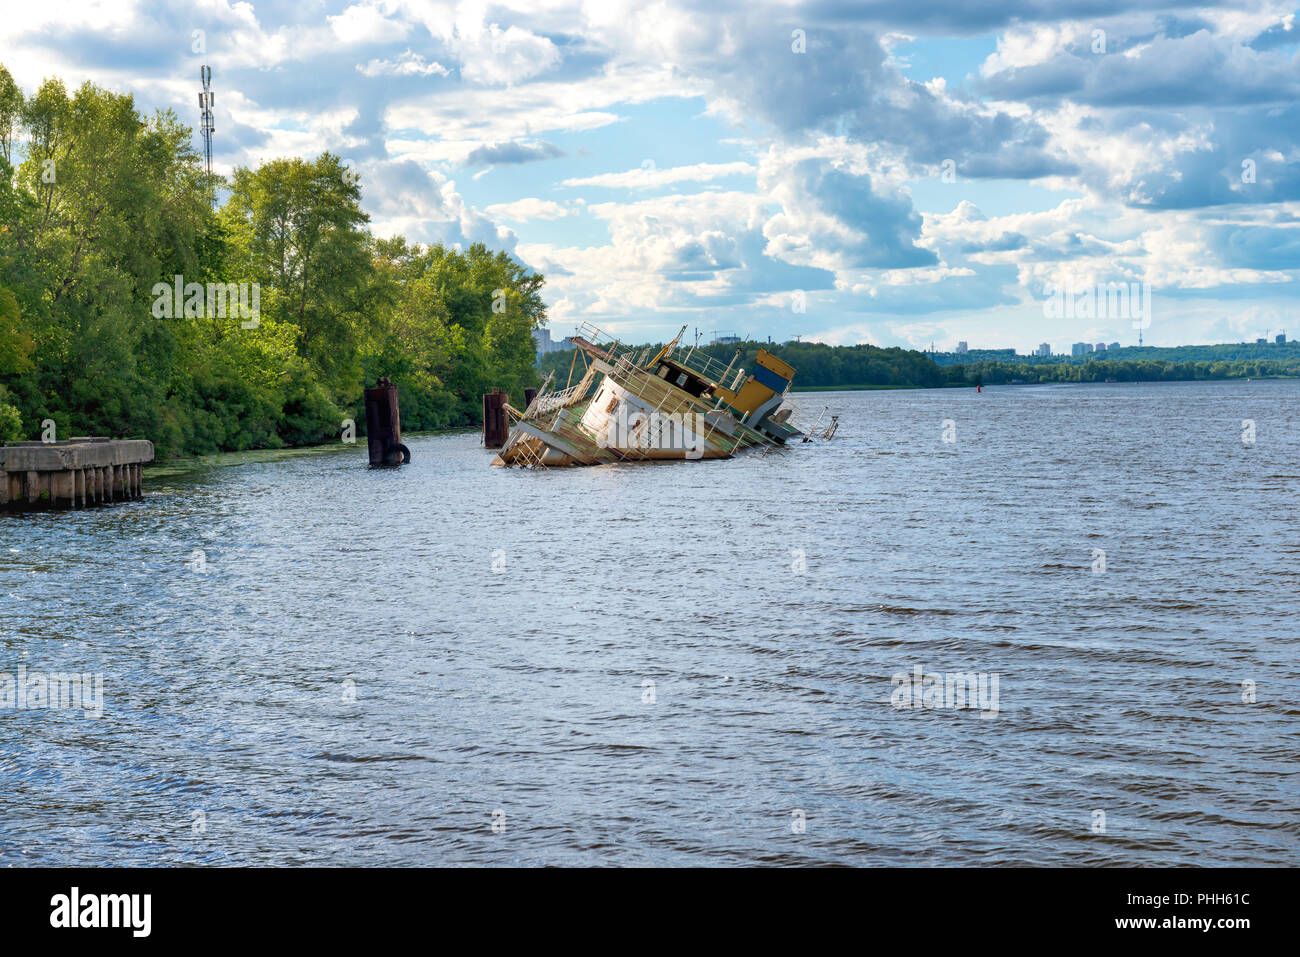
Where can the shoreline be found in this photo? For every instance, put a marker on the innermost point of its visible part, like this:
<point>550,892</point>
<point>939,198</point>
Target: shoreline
<point>988,385</point>
<point>190,463</point>
<point>246,456</point>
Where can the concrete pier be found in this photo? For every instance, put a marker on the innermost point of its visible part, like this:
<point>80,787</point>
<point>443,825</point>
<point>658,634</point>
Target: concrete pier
<point>72,474</point>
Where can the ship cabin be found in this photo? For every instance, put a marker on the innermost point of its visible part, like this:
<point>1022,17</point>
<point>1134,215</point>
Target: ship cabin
<point>687,380</point>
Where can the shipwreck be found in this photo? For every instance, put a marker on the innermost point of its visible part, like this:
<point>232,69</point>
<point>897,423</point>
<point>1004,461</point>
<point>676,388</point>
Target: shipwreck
<point>645,404</point>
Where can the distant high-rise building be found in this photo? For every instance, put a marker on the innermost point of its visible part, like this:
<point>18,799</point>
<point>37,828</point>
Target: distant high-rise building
<point>962,348</point>
<point>544,343</point>
<point>1280,338</point>
<point>1044,349</point>
<point>1261,342</point>
<point>1100,347</point>
<point>1113,345</point>
<point>1080,348</point>
<point>542,340</point>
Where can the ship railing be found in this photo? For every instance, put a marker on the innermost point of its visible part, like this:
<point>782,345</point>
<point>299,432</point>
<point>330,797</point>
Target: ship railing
<point>698,361</point>
<point>545,402</point>
<point>639,356</point>
<point>540,393</point>
<point>555,400</point>
<point>599,337</point>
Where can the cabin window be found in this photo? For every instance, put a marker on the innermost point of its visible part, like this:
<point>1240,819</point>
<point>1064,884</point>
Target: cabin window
<point>681,379</point>
<point>664,372</point>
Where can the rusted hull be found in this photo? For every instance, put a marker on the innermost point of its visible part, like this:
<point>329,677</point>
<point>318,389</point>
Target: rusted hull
<point>567,443</point>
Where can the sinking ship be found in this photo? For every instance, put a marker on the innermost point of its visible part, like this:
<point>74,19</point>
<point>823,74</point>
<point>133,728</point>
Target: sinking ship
<point>645,404</point>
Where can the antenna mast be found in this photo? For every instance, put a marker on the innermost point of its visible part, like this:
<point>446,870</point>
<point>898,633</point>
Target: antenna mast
<point>205,115</point>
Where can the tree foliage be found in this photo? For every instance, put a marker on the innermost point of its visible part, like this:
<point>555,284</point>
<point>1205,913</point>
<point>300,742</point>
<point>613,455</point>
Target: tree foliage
<point>101,208</point>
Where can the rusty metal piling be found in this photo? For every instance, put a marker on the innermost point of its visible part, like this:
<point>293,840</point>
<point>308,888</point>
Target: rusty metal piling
<point>496,425</point>
<point>384,426</point>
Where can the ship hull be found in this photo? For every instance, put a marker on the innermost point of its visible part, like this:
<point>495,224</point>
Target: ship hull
<point>627,410</point>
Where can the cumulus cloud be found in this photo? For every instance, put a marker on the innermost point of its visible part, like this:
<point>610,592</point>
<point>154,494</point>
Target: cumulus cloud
<point>423,205</point>
<point>492,56</point>
<point>365,23</point>
<point>649,176</point>
<point>1168,152</point>
<point>675,253</point>
<point>1163,112</point>
<point>522,210</point>
<point>1201,69</point>
<point>833,216</point>
<point>508,153</point>
<point>408,64</point>
<point>1278,34</point>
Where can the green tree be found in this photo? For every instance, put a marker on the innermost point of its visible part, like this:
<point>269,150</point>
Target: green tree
<point>300,225</point>
<point>107,205</point>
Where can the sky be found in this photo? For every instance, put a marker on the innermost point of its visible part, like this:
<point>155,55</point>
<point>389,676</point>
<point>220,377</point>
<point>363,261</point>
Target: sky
<point>899,173</point>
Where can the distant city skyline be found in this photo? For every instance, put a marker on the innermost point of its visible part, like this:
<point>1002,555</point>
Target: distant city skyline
<point>550,340</point>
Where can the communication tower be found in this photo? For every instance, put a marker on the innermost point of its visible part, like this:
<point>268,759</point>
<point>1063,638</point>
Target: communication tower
<point>205,115</point>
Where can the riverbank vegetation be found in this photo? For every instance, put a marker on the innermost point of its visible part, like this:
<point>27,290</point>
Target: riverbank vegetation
<point>101,209</point>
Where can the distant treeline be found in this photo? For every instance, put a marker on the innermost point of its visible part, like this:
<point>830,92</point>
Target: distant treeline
<point>288,305</point>
<point>816,365</point>
<point>819,366</point>
<point>1100,370</point>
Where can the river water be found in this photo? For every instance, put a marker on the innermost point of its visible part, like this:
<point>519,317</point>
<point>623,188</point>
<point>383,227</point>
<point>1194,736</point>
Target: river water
<point>308,662</point>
